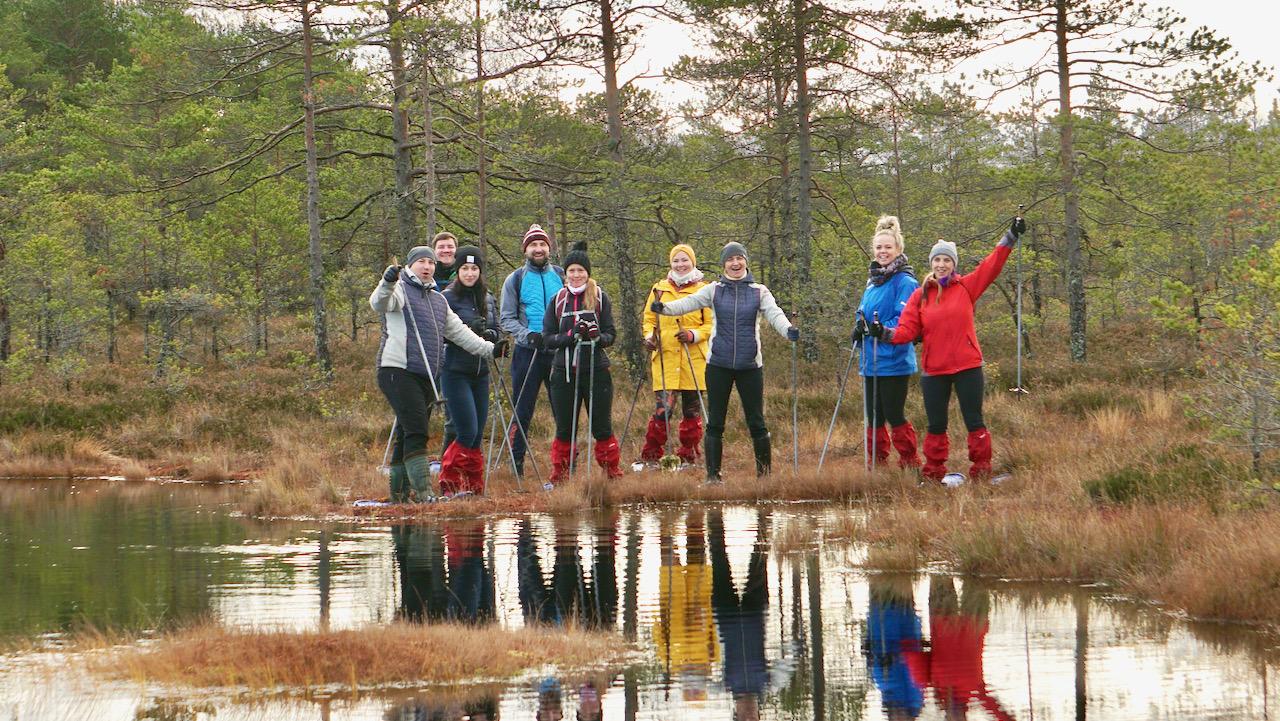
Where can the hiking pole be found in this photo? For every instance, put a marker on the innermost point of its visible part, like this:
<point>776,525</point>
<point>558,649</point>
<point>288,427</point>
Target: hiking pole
<point>493,435</point>
<point>848,368</point>
<point>573,424</point>
<point>626,430</point>
<point>875,391</point>
<point>386,454</point>
<point>693,373</point>
<point>591,404</point>
<point>1018,389</point>
<point>662,368</point>
<point>795,408</point>
<point>519,427</point>
<point>506,440</point>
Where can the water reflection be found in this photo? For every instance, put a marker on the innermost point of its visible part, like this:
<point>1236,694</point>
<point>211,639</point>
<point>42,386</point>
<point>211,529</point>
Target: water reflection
<point>731,625</point>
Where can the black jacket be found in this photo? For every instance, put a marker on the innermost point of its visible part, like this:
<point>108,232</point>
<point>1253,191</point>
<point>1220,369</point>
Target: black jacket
<point>463,303</point>
<point>558,323</point>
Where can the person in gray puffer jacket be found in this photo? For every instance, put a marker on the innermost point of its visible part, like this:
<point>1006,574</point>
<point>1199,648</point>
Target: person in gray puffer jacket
<point>736,356</point>
<point>416,322</point>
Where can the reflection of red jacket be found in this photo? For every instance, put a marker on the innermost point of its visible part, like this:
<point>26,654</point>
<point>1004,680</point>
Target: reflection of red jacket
<point>950,340</point>
<point>953,666</point>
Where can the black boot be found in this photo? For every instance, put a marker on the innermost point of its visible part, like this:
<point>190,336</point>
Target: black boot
<point>764,454</point>
<point>712,450</point>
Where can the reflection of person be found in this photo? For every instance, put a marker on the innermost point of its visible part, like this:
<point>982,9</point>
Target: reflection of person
<point>470,584</point>
<point>550,703</point>
<point>588,702</point>
<point>740,619</point>
<point>422,589</point>
<point>893,629</point>
<point>591,599</point>
<point>484,708</point>
<point>684,632</point>
<point>953,665</point>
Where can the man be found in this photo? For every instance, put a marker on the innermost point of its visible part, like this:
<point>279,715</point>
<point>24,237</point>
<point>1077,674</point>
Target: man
<point>445,244</point>
<point>525,294</point>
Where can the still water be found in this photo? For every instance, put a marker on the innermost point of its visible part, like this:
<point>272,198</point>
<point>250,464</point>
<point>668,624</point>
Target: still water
<point>735,619</point>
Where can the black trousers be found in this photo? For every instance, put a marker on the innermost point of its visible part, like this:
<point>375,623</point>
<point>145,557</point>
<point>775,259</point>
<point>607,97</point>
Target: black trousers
<point>937,397</point>
<point>565,405</point>
<point>885,398</point>
<point>689,403</point>
<point>750,382</point>
<point>411,398</point>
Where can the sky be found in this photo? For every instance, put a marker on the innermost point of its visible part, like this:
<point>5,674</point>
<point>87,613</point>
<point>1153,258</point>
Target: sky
<point>1250,26</point>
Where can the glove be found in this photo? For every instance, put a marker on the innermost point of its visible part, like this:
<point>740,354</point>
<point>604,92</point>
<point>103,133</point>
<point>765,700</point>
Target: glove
<point>650,343</point>
<point>1018,227</point>
<point>501,347</point>
<point>876,329</point>
<point>793,334</point>
<point>391,273</point>
<point>477,326</point>
<point>685,336</point>
<point>580,330</point>
<point>490,335</point>
<point>535,340</point>
<point>656,306</point>
<point>593,331</point>
<point>859,329</point>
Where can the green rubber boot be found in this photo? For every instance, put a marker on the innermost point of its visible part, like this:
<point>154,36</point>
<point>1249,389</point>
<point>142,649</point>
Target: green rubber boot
<point>418,469</point>
<point>399,484</point>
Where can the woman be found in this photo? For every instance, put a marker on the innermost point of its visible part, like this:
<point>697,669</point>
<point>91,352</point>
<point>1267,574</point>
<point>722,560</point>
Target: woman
<point>416,321</point>
<point>735,352</point>
<point>886,370</point>
<point>679,361</point>
<point>465,380</point>
<point>578,326</point>
<point>940,312</point>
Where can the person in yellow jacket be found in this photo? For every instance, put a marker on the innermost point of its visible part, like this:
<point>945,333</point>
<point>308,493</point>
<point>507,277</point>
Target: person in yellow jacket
<point>679,358</point>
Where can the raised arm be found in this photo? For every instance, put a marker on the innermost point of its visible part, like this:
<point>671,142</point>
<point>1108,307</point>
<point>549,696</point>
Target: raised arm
<point>384,298</point>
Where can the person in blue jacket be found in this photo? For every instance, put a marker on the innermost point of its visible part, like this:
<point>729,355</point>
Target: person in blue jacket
<point>886,369</point>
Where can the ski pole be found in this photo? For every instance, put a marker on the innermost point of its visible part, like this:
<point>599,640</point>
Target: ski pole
<point>795,408</point>
<point>1019,390</point>
<point>848,368</point>
<point>591,404</point>
<point>662,368</point>
<point>573,425</point>
<point>875,391</point>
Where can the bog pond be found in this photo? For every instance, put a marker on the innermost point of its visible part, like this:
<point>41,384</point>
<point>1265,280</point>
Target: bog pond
<point>733,613</point>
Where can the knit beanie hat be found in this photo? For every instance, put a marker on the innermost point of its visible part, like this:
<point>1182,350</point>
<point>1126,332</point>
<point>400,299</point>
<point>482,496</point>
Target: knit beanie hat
<point>578,256</point>
<point>730,250</point>
<point>947,248</point>
<point>420,251</point>
<point>683,248</point>
<point>469,254</point>
<point>535,232</point>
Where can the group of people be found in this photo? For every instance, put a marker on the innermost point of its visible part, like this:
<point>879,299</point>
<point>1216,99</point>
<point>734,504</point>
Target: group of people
<point>442,330</point>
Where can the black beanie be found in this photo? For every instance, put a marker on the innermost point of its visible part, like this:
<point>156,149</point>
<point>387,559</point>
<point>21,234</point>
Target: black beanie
<point>469,254</point>
<point>578,256</point>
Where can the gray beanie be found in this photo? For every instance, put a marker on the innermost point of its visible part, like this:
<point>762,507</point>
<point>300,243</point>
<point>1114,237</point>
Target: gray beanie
<point>730,250</point>
<point>947,248</point>
<point>420,251</point>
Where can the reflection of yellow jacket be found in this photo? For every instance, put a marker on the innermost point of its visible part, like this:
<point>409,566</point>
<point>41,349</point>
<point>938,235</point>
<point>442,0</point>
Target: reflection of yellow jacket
<point>679,376</point>
<point>685,628</point>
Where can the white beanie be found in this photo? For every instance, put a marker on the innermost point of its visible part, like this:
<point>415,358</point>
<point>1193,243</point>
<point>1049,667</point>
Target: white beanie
<point>947,248</point>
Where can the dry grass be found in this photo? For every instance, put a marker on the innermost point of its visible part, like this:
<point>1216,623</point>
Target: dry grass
<point>212,656</point>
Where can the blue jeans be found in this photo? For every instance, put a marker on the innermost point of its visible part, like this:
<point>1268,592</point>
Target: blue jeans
<point>530,372</point>
<point>467,398</point>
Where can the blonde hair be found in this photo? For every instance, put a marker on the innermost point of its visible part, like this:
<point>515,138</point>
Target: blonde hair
<point>591,296</point>
<point>932,277</point>
<point>888,225</point>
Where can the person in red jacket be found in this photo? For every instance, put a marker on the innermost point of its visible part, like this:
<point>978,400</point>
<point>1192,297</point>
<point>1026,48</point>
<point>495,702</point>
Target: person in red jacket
<point>940,314</point>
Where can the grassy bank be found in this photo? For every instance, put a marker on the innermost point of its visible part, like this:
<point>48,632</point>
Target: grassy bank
<point>395,654</point>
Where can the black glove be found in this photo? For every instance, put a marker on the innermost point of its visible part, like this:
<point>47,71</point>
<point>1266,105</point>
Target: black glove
<point>1018,227</point>
<point>793,334</point>
<point>876,329</point>
<point>656,306</point>
<point>581,329</point>
<point>489,334</point>
<point>593,331</point>
<point>500,347</point>
<point>859,329</point>
<point>535,339</point>
<point>477,326</point>
<point>391,273</point>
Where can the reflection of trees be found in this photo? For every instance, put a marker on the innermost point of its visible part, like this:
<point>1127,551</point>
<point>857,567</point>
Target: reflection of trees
<point>587,594</point>
<point>420,560</point>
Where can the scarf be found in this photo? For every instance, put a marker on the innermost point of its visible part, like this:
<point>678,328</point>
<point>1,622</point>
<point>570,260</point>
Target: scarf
<point>880,274</point>
<point>680,281</point>
<point>576,291</point>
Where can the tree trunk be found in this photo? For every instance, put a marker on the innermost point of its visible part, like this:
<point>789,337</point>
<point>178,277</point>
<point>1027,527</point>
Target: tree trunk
<point>897,171</point>
<point>482,173</point>
<point>1070,194</point>
<point>319,319</point>
<point>804,219</point>
<point>406,223</point>
<point>785,283</point>
<point>428,146</point>
<point>628,295</point>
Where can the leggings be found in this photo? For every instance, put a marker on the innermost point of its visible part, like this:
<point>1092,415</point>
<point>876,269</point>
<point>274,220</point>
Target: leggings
<point>937,397</point>
<point>565,409</point>
<point>411,397</point>
<point>750,384</point>
<point>890,399</point>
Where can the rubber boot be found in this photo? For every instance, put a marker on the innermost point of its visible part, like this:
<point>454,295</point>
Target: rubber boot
<point>763,449</point>
<point>979,454</point>
<point>608,454</point>
<point>560,451</point>
<point>399,481</point>
<point>655,439</point>
<point>690,438</point>
<point>936,448</point>
<point>878,439</point>
<point>452,470</point>
<point>712,450</point>
<point>418,468</point>
<point>904,440</point>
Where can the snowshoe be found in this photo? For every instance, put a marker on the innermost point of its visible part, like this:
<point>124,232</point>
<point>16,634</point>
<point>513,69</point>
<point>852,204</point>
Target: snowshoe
<point>953,480</point>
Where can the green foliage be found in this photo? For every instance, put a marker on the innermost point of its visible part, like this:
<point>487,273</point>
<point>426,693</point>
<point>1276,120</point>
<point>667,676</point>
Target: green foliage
<point>1185,473</point>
